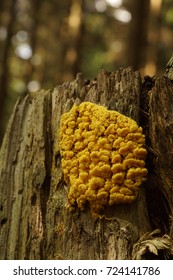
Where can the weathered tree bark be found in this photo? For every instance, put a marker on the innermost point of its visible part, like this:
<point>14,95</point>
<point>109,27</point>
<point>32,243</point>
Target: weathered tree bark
<point>35,221</point>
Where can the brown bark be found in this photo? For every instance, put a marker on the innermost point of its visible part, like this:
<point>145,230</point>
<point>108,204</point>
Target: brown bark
<point>161,135</point>
<point>35,220</point>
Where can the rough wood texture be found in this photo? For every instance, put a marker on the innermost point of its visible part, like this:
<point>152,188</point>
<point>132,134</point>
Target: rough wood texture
<point>35,220</point>
<point>161,136</point>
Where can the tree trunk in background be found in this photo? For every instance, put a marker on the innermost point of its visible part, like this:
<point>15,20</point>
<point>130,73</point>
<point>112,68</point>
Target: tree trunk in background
<point>35,12</point>
<point>4,77</point>
<point>155,54</point>
<point>137,46</point>
<point>73,44</point>
<point>35,220</point>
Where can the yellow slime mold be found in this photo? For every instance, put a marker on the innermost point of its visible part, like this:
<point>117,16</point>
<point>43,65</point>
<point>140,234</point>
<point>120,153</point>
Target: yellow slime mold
<point>103,156</point>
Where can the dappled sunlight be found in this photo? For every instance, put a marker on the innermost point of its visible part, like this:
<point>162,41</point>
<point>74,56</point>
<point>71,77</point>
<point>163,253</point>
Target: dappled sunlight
<point>22,36</point>
<point>24,51</point>
<point>150,69</point>
<point>122,15</point>
<point>33,86</point>
<point>156,5</point>
<point>114,3</point>
<point>45,43</point>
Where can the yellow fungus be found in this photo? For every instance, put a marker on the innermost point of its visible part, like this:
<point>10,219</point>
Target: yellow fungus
<point>103,156</point>
<point>114,189</point>
<point>84,176</point>
<point>84,158</point>
<point>117,143</point>
<point>133,128</point>
<point>91,146</point>
<point>68,154</point>
<point>102,195</point>
<point>117,167</point>
<point>118,178</point>
<point>95,171</point>
<point>94,156</point>
<point>108,185</point>
<point>74,170</point>
<point>126,191</point>
<point>116,158</point>
<point>96,183</point>
<point>105,171</point>
<point>116,198</point>
<point>140,153</point>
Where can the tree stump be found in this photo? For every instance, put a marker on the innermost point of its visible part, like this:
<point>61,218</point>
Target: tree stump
<point>35,221</point>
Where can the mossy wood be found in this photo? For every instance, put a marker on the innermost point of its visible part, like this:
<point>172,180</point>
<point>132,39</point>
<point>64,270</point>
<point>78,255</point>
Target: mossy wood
<point>35,221</point>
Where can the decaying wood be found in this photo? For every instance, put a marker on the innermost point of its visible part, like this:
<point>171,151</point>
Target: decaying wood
<point>35,220</point>
<point>161,137</point>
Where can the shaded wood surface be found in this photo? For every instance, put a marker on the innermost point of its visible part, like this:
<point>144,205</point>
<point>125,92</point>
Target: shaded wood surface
<point>35,222</point>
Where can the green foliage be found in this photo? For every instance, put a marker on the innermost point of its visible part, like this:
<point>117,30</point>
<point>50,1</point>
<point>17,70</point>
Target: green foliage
<point>169,16</point>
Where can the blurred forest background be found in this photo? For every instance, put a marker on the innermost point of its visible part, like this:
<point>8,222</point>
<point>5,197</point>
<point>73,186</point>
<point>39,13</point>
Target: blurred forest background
<point>46,42</point>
